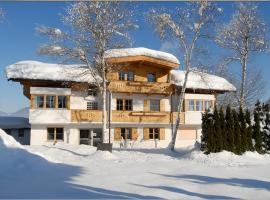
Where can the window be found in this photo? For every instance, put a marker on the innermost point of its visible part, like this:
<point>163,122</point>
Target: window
<point>62,101</point>
<point>154,105</point>
<point>130,76</point>
<point>121,76</point>
<point>151,77</point>
<point>128,104</point>
<point>191,105</point>
<point>92,105</point>
<point>198,105</point>
<point>39,101</point>
<point>50,101</point>
<point>119,104</point>
<point>153,133</point>
<point>126,133</point>
<point>124,104</point>
<point>92,92</point>
<point>207,105</point>
<point>21,133</point>
<point>55,134</point>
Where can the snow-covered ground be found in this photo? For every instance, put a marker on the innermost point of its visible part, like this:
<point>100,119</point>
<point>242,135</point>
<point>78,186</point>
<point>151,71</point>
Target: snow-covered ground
<point>64,171</point>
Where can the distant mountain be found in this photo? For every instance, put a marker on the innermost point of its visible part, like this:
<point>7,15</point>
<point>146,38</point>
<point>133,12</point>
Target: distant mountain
<point>2,113</point>
<point>24,112</point>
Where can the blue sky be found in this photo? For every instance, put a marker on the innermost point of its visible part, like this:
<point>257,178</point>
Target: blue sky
<point>19,40</point>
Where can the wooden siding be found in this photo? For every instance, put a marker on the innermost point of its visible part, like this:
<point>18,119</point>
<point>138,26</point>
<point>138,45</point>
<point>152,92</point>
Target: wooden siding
<point>140,87</point>
<point>126,116</point>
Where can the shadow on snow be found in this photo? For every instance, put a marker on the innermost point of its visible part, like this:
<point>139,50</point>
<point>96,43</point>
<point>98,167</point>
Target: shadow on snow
<point>26,175</point>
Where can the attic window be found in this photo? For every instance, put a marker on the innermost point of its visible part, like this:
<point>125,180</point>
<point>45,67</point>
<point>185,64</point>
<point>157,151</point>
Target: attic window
<point>151,77</point>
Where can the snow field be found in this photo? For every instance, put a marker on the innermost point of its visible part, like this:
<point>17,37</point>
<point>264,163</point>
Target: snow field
<point>67,171</point>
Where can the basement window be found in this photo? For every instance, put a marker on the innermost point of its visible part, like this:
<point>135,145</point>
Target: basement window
<point>55,134</point>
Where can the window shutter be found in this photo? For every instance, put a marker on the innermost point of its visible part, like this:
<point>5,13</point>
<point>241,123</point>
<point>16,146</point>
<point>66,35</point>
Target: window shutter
<point>162,105</point>
<point>162,133</point>
<point>146,105</point>
<point>32,101</point>
<point>117,134</point>
<point>186,105</point>
<point>134,134</point>
<point>68,102</point>
<point>146,133</point>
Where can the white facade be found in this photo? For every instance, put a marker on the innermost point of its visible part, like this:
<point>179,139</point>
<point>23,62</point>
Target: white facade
<point>41,119</point>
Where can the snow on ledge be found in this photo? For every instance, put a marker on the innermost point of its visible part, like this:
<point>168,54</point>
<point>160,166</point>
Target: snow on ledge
<point>201,80</point>
<point>47,71</point>
<point>141,51</point>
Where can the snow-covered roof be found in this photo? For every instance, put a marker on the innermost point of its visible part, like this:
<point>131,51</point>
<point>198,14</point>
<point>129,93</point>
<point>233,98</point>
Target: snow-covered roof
<point>141,51</point>
<point>201,80</point>
<point>8,122</point>
<point>47,71</point>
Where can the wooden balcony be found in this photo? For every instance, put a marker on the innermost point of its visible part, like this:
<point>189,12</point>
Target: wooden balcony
<point>140,87</point>
<point>126,116</point>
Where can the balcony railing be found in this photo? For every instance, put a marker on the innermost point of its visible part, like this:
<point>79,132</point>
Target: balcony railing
<point>126,116</point>
<point>140,87</point>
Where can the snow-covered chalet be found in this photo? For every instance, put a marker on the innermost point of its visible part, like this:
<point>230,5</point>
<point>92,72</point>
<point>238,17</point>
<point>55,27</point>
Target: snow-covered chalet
<point>141,105</point>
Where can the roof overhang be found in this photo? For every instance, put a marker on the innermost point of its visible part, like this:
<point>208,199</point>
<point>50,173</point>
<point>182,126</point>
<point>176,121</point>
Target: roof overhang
<point>158,62</point>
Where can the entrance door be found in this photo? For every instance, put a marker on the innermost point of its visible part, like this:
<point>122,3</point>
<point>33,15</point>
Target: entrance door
<point>85,137</point>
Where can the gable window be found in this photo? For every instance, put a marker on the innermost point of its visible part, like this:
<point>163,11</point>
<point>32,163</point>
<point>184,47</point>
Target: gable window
<point>191,105</point>
<point>92,105</point>
<point>198,105</point>
<point>39,101</point>
<point>62,101</point>
<point>207,105</point>
<point>55,134</point>
<point>154,105</point>
<point>92,92</point>
<point>130,76</point>
<point>50,101</point>
<point>153,133</point>
<point>121,76</point>
<point>126,133</point>
<point>151,77</point>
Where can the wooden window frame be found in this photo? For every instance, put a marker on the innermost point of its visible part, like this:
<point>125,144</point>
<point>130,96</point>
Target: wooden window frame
<point>126,134</point>
<point>189,105</point>
<point>127,75</point>
<point>124,101</point>
<point>94,107</point>
<point>200,104</point>
<point>154,133</point>
<point>158,103</point>
<point>44,106</point>
<point>120,77</point>
<point>154,75</point>
<point>55,133</point>
<point>54,103</point>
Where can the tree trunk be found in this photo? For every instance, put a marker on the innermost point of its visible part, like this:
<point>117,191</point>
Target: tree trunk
<point>180,104</point>
<point>243,82</point>
<point>104,137</point>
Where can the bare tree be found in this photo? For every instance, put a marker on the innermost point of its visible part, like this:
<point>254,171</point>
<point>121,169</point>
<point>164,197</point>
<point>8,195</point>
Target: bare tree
<point>2,14</point>
<point>244,36</point>
<point>254,89</point>
<point>95,27</point>
<point>187,26</point>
